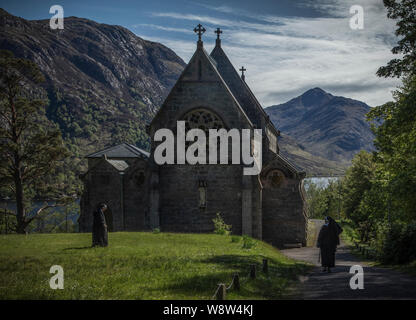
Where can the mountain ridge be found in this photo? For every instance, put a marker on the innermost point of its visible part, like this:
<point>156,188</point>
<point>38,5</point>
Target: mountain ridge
<point>103,82</point>
<point>328,126</point>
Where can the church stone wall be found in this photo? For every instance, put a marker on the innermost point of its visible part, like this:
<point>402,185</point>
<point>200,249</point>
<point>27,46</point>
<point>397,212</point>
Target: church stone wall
<point>200,87</point>
<point>284,220</point>
<point>135,196</point>
<point>180,209</point>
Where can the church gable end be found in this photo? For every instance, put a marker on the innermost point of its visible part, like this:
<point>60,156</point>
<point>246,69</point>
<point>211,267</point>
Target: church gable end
<point>200,86</point>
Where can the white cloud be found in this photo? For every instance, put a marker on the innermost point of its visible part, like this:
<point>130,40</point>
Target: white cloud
<point>154,26</point>
<point>288,55</point>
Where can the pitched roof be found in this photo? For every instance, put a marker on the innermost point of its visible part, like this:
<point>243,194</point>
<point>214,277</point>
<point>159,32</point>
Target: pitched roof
<point>240,89</point>
<point>290,165</point>
<point>201,52</point>
<point>123,150</point>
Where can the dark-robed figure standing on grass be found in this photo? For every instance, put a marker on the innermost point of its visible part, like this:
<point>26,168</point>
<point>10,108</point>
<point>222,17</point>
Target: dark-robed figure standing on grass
<point>99,227</point>
<point>328,240</point>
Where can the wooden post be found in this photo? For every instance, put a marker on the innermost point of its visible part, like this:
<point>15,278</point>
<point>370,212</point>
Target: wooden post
<point>265,266</point>
<point>253,271</point>
<point>221,291</point>
<point>236,282</point>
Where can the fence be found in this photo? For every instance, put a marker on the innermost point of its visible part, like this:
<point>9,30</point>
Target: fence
<point>222,289</point>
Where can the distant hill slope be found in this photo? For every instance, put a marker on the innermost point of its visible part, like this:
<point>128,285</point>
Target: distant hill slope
<point>103,82</point>
<point>327,126</point>
<point>312,164</point>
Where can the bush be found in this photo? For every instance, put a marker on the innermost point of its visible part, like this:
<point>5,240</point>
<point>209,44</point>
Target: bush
<point>248,242</point>
<point>396,244</point>
<point>220,227</point>
<point>156,230</point>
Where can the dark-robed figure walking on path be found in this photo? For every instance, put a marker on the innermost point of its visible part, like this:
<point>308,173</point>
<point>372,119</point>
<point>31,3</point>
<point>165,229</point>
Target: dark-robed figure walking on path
<point>99,227</point>
<point>328,240</point>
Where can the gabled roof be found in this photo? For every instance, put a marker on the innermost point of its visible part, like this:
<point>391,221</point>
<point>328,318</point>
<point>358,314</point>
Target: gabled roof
<point>291,166</point>
<point>119,165</point>
<point>123,150</point>
<point>240,89</point>
<point>201,53</point>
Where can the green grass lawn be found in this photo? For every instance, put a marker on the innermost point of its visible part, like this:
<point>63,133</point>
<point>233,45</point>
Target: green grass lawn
<point>140,265</point>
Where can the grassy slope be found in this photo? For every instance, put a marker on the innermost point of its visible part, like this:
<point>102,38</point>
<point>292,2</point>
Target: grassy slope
<point>139,266</point>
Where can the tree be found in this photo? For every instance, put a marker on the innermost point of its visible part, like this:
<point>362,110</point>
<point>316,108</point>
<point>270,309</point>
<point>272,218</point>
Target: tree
<point>356,183</point>
<point>30,146</point>
<point>405,12</point>
<point>396,135</point>
<point>324,201</point>
<point>396,148</point>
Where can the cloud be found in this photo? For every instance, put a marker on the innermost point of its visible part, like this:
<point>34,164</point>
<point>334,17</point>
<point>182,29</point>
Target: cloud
<point>192,17</point>
<point>154,26</point>
<point>286,56</point>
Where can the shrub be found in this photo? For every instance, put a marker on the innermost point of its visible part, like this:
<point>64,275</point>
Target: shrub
<point>220,227</point>
<point>396,243</point>
<point>156,230</point>
<point>248,242</point>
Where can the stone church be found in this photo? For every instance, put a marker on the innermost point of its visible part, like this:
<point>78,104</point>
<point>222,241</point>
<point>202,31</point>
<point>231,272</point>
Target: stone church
<point>142,195</point>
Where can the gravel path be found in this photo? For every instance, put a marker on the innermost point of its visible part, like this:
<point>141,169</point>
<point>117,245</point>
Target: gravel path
<point>379,283</point>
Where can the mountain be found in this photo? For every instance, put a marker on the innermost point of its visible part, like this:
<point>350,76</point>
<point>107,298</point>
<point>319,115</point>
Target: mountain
<point>327,126</point>
<point>313,165</point>
<point>103,82</point>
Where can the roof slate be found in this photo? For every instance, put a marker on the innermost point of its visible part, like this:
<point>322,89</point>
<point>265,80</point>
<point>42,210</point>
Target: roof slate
<point>123,150</point>
<point>239,88</point>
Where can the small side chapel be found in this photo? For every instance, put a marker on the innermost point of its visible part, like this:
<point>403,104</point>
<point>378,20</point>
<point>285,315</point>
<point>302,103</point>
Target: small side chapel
<point>141,195</point>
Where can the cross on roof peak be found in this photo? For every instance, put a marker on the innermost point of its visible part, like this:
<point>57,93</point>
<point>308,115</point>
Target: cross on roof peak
<point>218,32</point>
<point>199,30</point>
<point>242,72</point>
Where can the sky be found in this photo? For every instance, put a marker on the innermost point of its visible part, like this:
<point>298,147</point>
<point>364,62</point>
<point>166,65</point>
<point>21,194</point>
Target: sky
<point>286,46</point>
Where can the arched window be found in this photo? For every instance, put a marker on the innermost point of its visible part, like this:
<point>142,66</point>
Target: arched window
<point>202,119</point>
<point>275,178</point>
<point>139,178</point>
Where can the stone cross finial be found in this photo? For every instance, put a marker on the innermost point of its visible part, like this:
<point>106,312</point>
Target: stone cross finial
<point>218,32</point>
<point>218,41</point>
<point>199,30</point>
<point>242,72</point>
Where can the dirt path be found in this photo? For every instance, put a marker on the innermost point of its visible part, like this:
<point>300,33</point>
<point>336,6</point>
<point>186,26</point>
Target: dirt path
<point>379,283</point>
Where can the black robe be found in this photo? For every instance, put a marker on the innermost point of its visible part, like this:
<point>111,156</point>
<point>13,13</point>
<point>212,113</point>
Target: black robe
<point>328,240</point>
<point>99,229</point>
